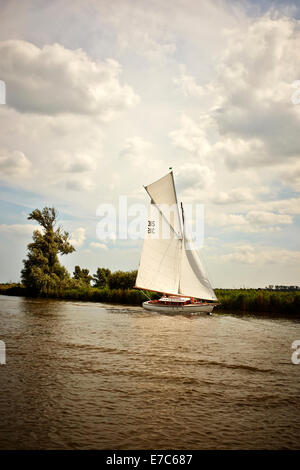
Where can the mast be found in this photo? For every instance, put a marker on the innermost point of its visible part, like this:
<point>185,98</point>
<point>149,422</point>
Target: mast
<point>182,212</point>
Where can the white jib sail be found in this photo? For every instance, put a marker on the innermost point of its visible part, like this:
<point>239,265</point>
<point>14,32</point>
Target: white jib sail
<point>166,265</point>
<point>194,281</point>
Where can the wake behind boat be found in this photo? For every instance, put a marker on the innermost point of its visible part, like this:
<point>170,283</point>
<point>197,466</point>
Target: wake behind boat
<point>169,264</point>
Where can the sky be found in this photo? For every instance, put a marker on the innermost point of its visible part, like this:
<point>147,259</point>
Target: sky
<point>102,97</point>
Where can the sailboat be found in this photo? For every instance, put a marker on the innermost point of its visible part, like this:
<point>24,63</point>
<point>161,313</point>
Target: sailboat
<point>169,265</point>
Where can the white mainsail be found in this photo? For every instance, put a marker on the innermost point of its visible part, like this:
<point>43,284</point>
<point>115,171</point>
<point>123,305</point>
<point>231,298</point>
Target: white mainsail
<point>163,194</point>
<point>159,267</point>
<point>166,265</point>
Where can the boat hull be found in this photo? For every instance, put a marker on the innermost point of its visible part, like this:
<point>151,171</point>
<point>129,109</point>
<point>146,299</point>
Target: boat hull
<point>205,309</point>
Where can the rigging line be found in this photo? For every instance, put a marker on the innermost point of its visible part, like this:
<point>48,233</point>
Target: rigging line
<point>208,274</point>
<point>181,221</point>
<point>144,294</point>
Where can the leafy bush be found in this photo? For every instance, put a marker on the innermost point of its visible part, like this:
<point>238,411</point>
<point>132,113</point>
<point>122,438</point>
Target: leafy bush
<point>122,280</point>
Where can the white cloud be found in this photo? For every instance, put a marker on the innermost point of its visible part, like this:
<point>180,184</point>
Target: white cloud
<point>243,253</point>
<point>226,220</point>
<point>248,254</point>
<point>188,85</point>
<point>267,218</point>
<point>191,136</point>
<point>66,152</point>
<point>140,28</point>
<point>75,163</point>
<point>252,118</point>
<point>192,176</point>
<point>234,195</point>
<point>139,153</point>
<point>78,237</point>
<point>245,195</point>
<point>251,221</point>
<point>289,173</point>
<point>283,206</point>
<point>239,152</point>
<point>14,163</point>
<point>20,230</point>
<point>135,149</point>
<point>156,30</point>
<point>80,184</point>
<point>54,79</point>
<point>254,83</point>
<point>98,245</point>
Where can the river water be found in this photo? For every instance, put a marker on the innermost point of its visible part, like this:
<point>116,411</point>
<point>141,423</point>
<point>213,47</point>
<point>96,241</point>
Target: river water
<point>82,375</point>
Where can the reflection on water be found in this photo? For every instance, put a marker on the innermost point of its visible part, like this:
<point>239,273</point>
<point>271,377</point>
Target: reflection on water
<point>85,375</point>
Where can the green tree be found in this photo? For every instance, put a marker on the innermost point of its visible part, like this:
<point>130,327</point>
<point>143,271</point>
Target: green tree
<point>42,272</point>
<point>82,275</point>
<point>122,279</point>
<point>101,277</point>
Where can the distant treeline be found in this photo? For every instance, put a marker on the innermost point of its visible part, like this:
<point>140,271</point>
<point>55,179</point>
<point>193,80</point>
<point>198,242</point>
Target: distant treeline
<point>118,289</point>
<point>283,288</point>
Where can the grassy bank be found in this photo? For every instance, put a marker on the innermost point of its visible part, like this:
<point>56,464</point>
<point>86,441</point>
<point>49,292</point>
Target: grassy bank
<point>258,301</point>
<point>92,294</point>
<point>106,295</point>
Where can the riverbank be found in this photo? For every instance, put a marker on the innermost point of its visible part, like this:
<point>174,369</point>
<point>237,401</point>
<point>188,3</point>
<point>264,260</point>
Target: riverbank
<point>257,301</point>
<point>92,294</point>
<point>260,301</point>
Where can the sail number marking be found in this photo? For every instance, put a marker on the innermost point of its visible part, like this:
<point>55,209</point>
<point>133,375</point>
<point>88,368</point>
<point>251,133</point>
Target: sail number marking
<point>151,226</point>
